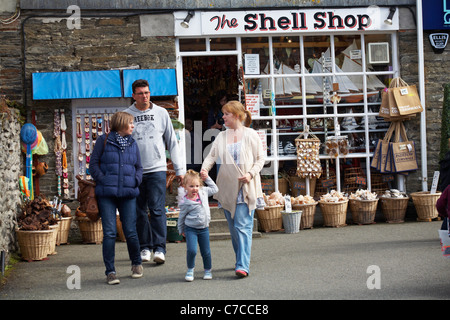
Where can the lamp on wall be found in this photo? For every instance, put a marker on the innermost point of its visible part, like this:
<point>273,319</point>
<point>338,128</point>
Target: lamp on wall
<point>390,16</point>
<point>185,22</point>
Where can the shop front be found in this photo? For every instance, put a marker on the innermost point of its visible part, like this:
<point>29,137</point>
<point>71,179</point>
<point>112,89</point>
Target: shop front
<point>318,72</point>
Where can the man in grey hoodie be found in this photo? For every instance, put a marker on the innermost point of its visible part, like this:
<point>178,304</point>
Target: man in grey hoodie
<point>153,132</point>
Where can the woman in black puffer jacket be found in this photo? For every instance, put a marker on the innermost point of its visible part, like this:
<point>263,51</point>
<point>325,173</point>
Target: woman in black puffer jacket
<point>115,165</point>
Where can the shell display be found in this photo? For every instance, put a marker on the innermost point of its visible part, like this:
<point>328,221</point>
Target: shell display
<point>274,199</point>
<point>394,193</point>
<point>334,196</point>
<point>308,162</point>
<point>336,145</point>
<point>361,194</point>
<point>302,200</point>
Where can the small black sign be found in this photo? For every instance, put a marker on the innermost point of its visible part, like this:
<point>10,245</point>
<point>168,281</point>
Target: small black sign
<point>438,41</point>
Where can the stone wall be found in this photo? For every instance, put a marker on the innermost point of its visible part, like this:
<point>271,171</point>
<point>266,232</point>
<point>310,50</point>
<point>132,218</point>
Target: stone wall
<point>11,158</point>
<point>10,60</point>
<point>100,44</point>
<point>435,78</point>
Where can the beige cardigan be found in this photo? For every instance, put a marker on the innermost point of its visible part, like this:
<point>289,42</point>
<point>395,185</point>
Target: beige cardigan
<point>252,160</point>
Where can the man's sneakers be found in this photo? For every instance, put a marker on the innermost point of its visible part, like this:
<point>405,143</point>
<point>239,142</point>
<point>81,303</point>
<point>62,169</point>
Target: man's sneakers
<point>158,256</point>
<point>145,255</point>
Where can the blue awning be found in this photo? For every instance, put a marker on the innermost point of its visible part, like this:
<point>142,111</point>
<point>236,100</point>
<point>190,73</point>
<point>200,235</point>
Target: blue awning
<point>162,82</point>
<point>101,84</point>
<point>77,85</point>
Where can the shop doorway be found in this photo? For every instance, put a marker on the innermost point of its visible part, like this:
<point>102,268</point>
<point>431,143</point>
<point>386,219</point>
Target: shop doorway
<point>207,80</point>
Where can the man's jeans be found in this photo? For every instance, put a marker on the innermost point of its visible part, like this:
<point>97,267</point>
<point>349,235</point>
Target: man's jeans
<point>127,211</point>
<point>241,230</point>
<point>202,237</point>
<point>152,195</point>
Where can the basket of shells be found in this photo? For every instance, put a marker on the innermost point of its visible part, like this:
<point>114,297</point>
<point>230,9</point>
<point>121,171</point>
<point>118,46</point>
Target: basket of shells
<point>270,218</point>
<point>307,205</point>
<point>334,208</point>
<point>393,205</point>
<point>363,206</point>
<point>308,162</point>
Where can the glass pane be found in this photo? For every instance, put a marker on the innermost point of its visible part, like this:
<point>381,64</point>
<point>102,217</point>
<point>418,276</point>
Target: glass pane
<point>348,53</point>
<point>192,45</point>
<point>259,46</point>
<point>222,44</point>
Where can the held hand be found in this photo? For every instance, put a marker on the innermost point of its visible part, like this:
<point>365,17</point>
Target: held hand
<point>245,178</point>
<point>203,174</point>
<point>180,179</point>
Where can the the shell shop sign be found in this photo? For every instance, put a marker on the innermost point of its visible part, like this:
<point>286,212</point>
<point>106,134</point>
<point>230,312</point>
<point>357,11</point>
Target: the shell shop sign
<point>308,20</point>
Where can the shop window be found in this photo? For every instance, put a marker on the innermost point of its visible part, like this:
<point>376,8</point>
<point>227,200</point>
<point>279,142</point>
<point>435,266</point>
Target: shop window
<point>334,87</point>
<point>258,46</point>
<point>196,44</point>
<point>222,44</point>
<point>328,83</point>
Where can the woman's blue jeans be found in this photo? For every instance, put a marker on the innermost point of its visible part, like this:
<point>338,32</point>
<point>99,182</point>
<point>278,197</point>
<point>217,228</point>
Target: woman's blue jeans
<point>127,212</point>
<point>202,237</point>
<point>241,230</point>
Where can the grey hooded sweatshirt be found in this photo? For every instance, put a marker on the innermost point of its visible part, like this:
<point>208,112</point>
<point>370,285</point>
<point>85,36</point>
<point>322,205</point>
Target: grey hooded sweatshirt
<point>195,214</point>
<point>153,132</point>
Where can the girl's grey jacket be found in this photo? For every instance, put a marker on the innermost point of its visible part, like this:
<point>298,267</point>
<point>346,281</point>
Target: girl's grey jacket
<point>195,214</point>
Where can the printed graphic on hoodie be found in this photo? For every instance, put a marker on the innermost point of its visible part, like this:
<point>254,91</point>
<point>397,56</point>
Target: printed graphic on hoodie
<point>145,131</point>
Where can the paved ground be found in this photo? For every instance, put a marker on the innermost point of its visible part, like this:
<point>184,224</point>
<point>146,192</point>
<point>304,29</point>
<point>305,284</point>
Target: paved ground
<point>319,264</point>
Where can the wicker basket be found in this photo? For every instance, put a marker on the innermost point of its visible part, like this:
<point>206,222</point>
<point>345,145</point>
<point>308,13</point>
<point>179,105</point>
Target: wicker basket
<point>52,244</point>
<point>425,204</point>
<point>291,221</point>
<point>334,213</point>
<point>394,209</point>
<point>270,218</point>
<point>63,232</point>
<point>34,244</point>
<point>363,211</point>
<point>308,212</point>
<point>91,232</point>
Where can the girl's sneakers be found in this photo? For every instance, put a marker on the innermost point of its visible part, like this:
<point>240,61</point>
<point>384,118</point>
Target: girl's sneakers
<point>189,275</point>
<point>207,275</point>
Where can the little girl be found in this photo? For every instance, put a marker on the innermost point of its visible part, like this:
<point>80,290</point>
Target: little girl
<point>194,219</point>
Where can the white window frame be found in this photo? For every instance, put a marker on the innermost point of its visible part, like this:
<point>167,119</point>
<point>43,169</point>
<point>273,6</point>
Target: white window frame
<point>367,155</point>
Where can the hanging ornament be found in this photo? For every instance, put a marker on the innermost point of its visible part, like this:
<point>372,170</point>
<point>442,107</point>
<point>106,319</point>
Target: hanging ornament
<point>94,130</point>
<point>87,144</point>
<point>99,125</point>
<point>107,118</point>
<point>58,148</point>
